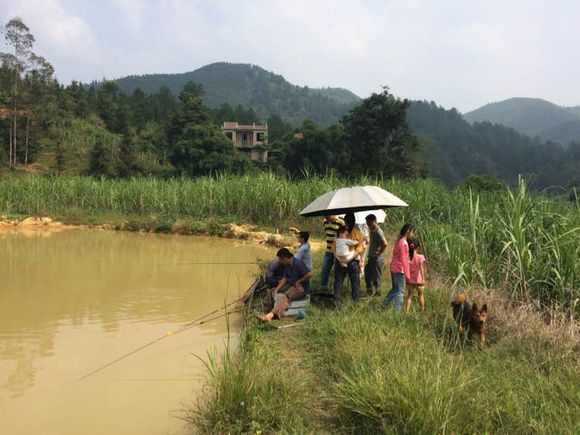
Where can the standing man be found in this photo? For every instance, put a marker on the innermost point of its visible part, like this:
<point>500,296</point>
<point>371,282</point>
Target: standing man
<point>331,226</point>
<point>375,259</point>
<point>352,269</point>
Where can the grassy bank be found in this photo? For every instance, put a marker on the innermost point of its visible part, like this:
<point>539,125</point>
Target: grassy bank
<point>365,370</point>
<point>526,244</point>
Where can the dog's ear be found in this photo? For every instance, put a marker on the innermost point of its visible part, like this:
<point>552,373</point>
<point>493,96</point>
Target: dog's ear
<point>474,308</point>
<point>484,308</point>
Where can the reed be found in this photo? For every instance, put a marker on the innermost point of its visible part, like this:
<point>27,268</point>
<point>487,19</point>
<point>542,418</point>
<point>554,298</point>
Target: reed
<point>523,242</point>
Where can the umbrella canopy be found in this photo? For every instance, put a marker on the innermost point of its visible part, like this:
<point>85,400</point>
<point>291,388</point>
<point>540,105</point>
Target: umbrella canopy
<point>352,199</point>
<point>360,216</point>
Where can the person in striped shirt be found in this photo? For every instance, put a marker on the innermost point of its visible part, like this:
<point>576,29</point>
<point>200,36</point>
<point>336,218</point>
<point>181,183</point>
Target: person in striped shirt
<point>331,226</point>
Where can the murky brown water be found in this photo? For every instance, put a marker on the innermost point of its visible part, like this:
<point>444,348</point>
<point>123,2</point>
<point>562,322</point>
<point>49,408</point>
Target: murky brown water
<point>74,300</point>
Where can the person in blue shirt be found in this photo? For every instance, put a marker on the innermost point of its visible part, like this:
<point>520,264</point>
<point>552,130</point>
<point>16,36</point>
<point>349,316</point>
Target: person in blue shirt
<point>295,284</point>
<point>303,252</point>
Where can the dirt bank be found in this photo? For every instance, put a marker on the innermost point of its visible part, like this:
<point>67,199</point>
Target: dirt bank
<point>183,227</point>
<point>8,224</point>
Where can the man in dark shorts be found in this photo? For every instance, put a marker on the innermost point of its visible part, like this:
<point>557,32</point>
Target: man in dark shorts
<point>295,284</point>
<point>375,259</point>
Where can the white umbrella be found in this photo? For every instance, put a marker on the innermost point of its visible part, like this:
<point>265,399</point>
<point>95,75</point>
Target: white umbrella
<point>352,199</point>
<point>360,216</point>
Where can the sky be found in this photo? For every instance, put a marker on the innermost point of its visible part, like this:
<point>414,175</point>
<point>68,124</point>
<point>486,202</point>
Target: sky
<point>458,53</point>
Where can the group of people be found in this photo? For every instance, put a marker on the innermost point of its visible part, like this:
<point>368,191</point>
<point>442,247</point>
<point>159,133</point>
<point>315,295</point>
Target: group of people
<point>351,250</point>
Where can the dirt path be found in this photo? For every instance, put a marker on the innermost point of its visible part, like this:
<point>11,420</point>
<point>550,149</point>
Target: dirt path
<point>320,410</point>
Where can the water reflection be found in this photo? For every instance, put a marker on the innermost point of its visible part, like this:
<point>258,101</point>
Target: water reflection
<point>75,299</point>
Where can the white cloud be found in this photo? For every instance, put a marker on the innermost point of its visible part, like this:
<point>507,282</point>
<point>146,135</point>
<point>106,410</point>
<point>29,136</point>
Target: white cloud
<point>64,39</point>
<point>133,12</point>
<point>457,53</point>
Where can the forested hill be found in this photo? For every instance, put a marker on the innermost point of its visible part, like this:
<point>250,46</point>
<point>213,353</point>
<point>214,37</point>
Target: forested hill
<point>533,117</point>
<point>251,86</point>
<point>454,149</point>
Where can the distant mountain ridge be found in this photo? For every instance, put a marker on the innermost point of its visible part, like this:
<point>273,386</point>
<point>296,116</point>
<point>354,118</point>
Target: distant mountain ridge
<point>252,86</point>
<point>502,139</point>
<point>532,117</point>
<point>454,149</point>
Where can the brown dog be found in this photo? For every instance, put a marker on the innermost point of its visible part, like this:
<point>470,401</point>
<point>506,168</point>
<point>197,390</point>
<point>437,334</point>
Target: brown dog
<point>478,321</point>
<point>470,318</point>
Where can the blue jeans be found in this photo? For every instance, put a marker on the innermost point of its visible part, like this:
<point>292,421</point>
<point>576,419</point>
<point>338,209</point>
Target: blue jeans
<point>327,262</point>
<point>353,272</point>
<point>397,292</point>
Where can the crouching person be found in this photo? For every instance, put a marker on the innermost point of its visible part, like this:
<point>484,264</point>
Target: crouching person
<point>274,273</point>
<point>295,284</point>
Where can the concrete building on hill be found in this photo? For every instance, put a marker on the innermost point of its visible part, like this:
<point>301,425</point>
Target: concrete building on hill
<point>251,139</point>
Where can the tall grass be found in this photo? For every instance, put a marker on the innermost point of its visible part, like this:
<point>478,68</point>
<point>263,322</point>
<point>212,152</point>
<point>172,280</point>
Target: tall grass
<point>366,370</point>
<point>396,374</point>
<point>250,392</point>
<point>523,242</point>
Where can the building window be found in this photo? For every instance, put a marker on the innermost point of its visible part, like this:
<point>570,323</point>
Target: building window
<point>260,137</point>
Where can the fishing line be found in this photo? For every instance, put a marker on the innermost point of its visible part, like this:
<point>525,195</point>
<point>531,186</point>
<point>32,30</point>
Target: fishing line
<point>196,322</point>
<point>157,340</point>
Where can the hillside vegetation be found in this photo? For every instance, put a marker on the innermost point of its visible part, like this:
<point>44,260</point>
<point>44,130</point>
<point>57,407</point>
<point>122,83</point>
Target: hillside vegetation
<point>564,133</point>
<point>249,85</point>
<point>532,117</point>
<point>455,149</point>
<point>100,130</point>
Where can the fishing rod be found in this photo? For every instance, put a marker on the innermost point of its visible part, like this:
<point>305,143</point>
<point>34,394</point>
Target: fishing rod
<point>199,319</point>
<point>196,322</point>
<point>226,263</point>
<point>152,342</point>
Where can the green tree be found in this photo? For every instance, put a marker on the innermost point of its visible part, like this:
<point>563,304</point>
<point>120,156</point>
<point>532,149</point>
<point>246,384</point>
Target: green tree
<point>190,112</point>
<point>100,161</point>
<point>379,139</point>
<point>107,104</point>
<point>139,106</point>
<point>277,128</point>
<point>224,114</point>
<point>202,149</point>
<point>22,61</point>
<point>310,151</point>
<point>128,165</point>
<point>59,158</point>
<point>197,146</point>
<point>483,183</point>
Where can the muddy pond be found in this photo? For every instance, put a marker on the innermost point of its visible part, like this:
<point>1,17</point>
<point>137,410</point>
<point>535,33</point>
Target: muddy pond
<point>74,300</point>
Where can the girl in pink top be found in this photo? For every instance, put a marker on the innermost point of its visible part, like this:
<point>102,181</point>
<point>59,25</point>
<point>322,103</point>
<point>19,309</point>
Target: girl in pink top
<point>400,267</point>
<point>417,277</point>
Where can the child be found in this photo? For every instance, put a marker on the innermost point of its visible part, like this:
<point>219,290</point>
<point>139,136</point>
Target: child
<point>344,247</point>
<point>418,275</point>
<point>303,252</point>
